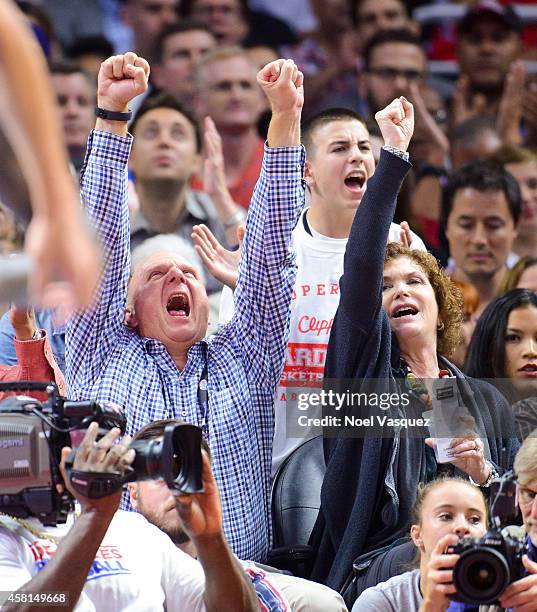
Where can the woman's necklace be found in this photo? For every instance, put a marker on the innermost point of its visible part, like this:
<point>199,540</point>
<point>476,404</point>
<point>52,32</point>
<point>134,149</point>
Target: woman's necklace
<point>419,387</point>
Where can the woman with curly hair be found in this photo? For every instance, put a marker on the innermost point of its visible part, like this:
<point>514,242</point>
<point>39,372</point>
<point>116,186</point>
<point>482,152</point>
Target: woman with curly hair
<point>398,320</point>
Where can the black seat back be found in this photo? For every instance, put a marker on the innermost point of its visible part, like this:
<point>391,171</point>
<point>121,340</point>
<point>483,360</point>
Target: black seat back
<point>296,494</point>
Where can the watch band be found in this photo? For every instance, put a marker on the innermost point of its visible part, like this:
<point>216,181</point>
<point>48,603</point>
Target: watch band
<point>402,154</point>
<point>102,113</point>
<point>492,475</point>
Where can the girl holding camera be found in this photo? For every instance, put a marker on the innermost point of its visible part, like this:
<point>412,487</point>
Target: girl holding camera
<point>445,510</point>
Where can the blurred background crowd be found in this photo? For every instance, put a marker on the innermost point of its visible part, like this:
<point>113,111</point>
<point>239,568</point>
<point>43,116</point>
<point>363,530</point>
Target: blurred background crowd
<point>470,70</point>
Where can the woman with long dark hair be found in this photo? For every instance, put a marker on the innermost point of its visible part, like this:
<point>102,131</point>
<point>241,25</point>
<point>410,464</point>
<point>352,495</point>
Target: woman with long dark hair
<point>504,350</point>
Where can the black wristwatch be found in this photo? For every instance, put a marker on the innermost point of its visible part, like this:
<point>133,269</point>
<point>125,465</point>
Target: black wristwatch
<point>102,113</point>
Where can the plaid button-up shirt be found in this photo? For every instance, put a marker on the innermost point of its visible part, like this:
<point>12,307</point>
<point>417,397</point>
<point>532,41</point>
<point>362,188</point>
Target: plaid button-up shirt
<point>107,361</point>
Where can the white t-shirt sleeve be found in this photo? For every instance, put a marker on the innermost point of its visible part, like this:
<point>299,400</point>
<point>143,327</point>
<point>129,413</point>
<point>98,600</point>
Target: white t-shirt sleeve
<point>183,579</point>
<point>227,306</point>
<point>14,570</point>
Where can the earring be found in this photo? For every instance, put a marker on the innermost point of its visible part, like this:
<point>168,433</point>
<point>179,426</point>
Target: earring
<point>440,326</point>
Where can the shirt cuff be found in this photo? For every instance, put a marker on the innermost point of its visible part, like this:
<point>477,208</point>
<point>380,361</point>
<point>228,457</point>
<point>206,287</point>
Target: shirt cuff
<point>30,352</point>
<point>109,149</point>
<point>284,162</point>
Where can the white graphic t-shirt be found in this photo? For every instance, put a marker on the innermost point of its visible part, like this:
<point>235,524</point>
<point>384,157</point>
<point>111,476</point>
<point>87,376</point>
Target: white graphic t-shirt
<point>137,567</point>
<point>314,304</point>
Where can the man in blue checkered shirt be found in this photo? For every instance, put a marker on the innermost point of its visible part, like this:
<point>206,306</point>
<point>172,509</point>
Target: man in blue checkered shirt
<point>145,350</point>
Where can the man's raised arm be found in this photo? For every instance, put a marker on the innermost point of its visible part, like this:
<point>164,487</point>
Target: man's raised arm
<point>267,269</point>
<point>92,333</point>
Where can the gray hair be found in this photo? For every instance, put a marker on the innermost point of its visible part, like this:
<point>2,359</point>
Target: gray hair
<point>167,243</point>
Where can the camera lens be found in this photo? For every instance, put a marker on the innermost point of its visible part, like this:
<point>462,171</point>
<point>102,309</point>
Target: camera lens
<point>176,457</point>
<point>480,575</point>
<point>148,459</point>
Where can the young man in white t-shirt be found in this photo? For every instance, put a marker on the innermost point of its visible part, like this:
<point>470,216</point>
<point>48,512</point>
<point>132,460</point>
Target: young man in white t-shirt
<point>339,163</point>
<point>108,559</point>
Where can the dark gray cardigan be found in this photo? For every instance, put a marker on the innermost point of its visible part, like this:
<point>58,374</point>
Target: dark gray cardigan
<point>358,514</point>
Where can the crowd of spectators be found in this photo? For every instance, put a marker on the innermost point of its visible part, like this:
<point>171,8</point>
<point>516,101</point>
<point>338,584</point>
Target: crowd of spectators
<point>365,209</point>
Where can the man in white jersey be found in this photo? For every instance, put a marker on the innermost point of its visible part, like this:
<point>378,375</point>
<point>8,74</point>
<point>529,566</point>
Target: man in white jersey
<point>339,163</point>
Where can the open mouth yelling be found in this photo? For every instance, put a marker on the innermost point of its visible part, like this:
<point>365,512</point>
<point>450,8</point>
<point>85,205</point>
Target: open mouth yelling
<point>355,182</point>
<point>178,305</point>
<point>404,311</point>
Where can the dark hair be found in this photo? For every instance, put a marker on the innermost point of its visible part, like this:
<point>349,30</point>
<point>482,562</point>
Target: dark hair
<point>469,131</point>
<point>486,353</point>
<point>179,27</point>
<point>68,68</point>
<point>514,154</point>
<point>354,4</point>
<point>31,9</point>
<point>96,45</point>
<point>164,100</point>
<point>155,429</point>
<point>400,35</point>
<point>186,6</point>
<point>311,125</point>
<point>482,175</point>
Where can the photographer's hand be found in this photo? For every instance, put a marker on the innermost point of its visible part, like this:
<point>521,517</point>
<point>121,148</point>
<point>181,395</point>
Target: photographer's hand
<point>101,456</point>
<point>225,580</point>
<point>436,582</point>
<point>201,513</point>
<point>521,596</point>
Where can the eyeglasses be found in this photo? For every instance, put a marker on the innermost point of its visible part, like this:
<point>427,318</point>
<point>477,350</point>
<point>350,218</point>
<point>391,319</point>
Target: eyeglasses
<point>526,496</point>
<point>390,74</point>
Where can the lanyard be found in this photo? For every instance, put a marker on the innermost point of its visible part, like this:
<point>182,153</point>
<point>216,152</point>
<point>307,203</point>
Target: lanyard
<point>203,401</point>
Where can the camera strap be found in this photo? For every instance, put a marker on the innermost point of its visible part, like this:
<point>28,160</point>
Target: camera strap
<point>95,484</point>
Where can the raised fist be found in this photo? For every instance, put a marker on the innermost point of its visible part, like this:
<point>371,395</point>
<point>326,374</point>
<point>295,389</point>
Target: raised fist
<point>282,83</point>
<point>121,78</point>
<point>396,123</point>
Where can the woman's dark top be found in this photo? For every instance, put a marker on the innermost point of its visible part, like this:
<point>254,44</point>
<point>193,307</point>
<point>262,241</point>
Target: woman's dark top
<point>371,483</point>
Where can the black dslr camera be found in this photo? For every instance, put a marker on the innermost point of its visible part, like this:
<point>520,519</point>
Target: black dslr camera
<point>33,433</point>
<point>488,565</point>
